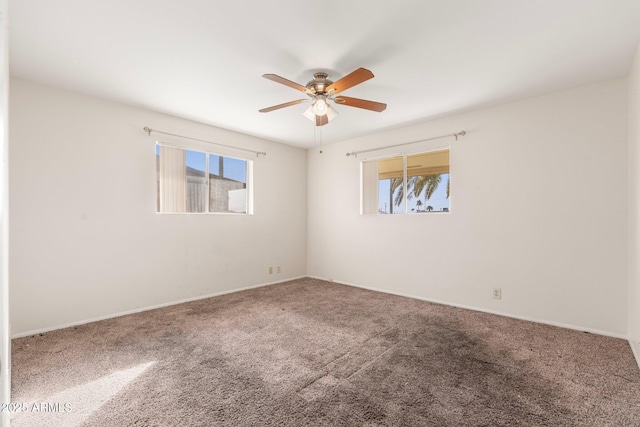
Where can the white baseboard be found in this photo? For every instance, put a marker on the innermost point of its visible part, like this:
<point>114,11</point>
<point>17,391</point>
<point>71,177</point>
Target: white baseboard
<point>635,347</point>
<point>483,310</point>
<point>147,308</point>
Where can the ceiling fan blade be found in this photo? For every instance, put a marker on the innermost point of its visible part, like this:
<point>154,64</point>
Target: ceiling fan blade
<point>361,103</point>
<point>354,78</point>
<point>282,80</point>
<point>286,104</point>
<point>321,120</point>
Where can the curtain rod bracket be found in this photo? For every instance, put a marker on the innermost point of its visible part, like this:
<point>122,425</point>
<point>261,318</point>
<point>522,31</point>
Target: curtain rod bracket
<point>461,133</point>
<point>148,130</point>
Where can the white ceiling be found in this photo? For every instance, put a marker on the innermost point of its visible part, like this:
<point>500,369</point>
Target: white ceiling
<point>203,59</point>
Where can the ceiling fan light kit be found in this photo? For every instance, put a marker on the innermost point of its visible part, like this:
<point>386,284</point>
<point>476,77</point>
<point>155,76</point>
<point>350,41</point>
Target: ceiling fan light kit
<point>330,113</point>
<point>321,90</point>
<point>320,105</point>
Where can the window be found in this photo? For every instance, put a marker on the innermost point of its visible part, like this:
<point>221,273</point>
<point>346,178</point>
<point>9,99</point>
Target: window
<point>195,181</point>
<point>416,183</point>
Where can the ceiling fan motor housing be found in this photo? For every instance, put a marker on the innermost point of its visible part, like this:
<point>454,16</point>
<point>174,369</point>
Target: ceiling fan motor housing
<point>319,84</point>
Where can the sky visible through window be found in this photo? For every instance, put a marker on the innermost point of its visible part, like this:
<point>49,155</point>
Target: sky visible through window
<point>438,200</point>
<point>235,169</point>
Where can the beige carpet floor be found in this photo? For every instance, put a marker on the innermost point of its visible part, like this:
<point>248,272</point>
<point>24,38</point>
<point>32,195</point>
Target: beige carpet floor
<point>313,353</point>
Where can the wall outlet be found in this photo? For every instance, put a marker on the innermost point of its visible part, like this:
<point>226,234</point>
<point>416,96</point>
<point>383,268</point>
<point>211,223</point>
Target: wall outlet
<point>270,270</point>
<point>278,270</point>
<point>497,293</point>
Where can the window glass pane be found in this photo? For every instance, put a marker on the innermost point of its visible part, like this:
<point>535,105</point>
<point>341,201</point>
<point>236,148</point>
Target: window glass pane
<point>227,184</point>
<point>429,193</point>
<point>428,182</point>
<point>214,164</point>
<point>391,192</point>
<point>235,169</point>
<point>196,187</point>
<point>431,163</point>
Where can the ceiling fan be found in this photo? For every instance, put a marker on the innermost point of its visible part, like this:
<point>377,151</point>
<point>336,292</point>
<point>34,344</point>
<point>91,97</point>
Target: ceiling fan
<point>321,90</point>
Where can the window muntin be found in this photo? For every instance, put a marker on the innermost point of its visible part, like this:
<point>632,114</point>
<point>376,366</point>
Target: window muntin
<point>416,183</point>
<point>198,182</point>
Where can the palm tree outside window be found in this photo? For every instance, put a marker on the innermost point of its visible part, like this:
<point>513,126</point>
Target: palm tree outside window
<point>416,183</point>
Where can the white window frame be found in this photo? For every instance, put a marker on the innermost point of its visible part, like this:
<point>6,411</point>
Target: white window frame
<point>366,189</point>
<point>249,178</point>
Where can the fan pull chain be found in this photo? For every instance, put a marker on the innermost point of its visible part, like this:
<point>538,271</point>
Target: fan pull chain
<point>318,132</point>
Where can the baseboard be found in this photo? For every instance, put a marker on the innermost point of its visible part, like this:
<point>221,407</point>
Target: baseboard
<point>480,309</point>
<point>147,308</point>
<point>635,347</point>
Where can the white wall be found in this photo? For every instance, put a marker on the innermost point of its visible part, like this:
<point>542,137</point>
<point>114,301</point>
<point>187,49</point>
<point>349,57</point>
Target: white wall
<point>5,342</point>
<point>539,208</point>
<point>634,206</point>
<point>85,239</point>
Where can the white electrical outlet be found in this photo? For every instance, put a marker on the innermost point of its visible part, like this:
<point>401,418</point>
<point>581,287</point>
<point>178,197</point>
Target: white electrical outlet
<point>278,270</point>
<point>497,293</point>
<point>270,270</point>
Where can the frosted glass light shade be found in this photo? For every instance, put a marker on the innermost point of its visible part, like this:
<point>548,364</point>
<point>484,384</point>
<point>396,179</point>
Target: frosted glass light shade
<point>308,113</point>
<point>331,113</point>
<point>320,107</point>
